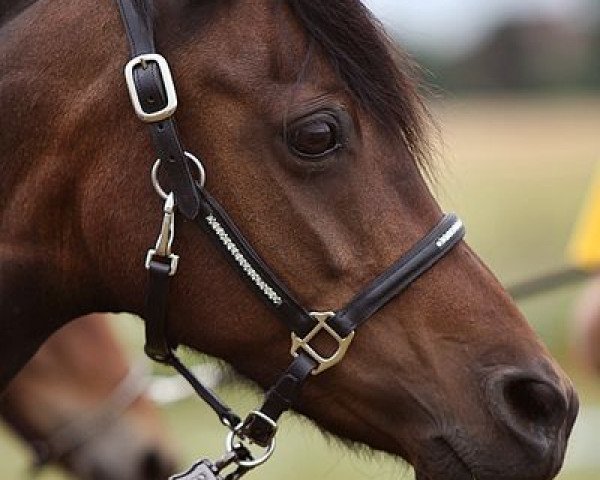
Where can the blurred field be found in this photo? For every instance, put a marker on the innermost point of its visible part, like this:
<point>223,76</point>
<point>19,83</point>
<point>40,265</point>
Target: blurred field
<point>517,171</point>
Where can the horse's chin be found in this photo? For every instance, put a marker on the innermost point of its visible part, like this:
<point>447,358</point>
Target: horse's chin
<point>420,475</point>
<point>443,463</point>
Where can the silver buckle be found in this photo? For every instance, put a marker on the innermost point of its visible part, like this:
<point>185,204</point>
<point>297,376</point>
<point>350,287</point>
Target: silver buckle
<point>167,79</point>
<point>304,343</point>
<point>165,238</point>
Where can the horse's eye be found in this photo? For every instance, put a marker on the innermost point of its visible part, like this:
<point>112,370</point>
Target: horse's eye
<point>315,136</point>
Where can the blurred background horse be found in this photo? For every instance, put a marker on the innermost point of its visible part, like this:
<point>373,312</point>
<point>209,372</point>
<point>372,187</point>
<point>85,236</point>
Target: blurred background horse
<point>80,405</point>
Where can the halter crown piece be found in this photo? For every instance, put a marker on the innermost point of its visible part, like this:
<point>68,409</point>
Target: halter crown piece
<point>154,99</point>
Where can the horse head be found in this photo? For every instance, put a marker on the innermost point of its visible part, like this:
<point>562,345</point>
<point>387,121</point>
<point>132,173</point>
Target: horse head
<point>312,135</point>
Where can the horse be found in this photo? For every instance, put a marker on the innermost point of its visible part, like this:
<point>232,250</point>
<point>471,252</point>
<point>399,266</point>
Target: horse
<point>313,136</point>
<point>79,405</point>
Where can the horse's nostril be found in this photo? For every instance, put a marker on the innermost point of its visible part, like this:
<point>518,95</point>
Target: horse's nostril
<point>535,410</point>
<point>536,401</point>
<point>155,466</point>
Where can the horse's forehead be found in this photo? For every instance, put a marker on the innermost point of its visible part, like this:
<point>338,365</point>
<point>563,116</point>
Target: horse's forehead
<point>245,38</point>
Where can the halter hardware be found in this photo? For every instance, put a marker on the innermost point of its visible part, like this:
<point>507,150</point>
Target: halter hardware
<point>324,363</point>
<point>201,180</point>
<point>165,239</point>
<point>167,82</point>
<point>232,446</point>
<point>207,470</point>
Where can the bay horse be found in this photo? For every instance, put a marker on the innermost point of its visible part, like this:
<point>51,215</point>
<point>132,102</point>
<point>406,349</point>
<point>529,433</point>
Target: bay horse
<point>313,137</point>
<point>78,404</point>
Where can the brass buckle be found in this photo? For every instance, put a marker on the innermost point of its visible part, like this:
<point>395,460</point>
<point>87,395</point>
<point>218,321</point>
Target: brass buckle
<point>304,343</point>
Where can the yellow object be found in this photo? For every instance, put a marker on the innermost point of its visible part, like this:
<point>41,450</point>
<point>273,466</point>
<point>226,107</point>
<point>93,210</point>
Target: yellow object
<point>584,247</point>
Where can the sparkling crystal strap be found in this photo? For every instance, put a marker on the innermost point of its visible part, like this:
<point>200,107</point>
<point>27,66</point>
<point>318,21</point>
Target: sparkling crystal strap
<point>243,262</point>
<point>229,239</point>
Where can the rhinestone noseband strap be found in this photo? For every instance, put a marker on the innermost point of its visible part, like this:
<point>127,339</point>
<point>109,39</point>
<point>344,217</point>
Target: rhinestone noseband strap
<point>153,96</point>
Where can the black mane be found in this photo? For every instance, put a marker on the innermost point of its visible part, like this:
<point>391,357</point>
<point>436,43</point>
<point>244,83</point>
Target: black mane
<point>381,79</point>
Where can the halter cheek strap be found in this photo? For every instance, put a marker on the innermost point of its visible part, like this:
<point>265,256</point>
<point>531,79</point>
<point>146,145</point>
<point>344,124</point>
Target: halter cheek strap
<point>153,96</point>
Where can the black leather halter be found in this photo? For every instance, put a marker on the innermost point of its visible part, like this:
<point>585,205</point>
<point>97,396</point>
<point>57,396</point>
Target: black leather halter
<point>153,95</point>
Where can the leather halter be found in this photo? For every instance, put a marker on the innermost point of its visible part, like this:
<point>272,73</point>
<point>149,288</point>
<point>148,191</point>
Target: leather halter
<point>153,95</point>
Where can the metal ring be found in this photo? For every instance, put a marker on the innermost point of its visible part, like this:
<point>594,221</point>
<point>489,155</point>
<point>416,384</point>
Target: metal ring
<point>255,462</point>
<point>156,183</point>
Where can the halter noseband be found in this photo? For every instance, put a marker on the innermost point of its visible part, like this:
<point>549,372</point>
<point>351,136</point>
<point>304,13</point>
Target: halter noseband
<point>153,96</point>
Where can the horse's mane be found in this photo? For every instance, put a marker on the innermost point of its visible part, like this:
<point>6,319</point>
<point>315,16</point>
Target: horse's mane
<point>379,76</point>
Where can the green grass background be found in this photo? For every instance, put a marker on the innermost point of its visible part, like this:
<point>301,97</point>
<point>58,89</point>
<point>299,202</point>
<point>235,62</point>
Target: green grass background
<point>517,171</point>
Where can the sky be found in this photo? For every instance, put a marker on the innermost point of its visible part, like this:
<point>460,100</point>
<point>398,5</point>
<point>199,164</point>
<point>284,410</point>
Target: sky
<point>453,26</point>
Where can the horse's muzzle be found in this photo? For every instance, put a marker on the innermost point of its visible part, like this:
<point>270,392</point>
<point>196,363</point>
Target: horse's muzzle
<point>533,415</point>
